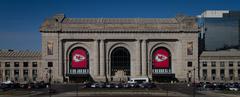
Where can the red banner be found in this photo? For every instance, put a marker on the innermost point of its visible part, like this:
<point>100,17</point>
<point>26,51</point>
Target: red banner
<point>161,59</point>
<point>79,58</point>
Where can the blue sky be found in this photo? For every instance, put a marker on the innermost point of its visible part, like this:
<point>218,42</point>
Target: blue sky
<point>21,19</point>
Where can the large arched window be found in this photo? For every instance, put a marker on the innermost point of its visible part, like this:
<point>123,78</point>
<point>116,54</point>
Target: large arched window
<point>161,60</point>
<point>120,61</point>
<point>78,61</point>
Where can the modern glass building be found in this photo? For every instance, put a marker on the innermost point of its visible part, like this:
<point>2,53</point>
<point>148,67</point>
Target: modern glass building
<point>220,29</point>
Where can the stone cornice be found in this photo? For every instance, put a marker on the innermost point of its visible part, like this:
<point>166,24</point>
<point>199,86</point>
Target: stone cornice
<point>60,23</point>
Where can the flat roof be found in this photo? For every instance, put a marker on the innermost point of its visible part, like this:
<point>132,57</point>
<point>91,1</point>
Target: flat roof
<point>19,54</point>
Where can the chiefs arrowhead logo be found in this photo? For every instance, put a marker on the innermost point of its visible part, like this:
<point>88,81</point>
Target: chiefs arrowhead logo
<point>78,58</point>
<point>160,57</point>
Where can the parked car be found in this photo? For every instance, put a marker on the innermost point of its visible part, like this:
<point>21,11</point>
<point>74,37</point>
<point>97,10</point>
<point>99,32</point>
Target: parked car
<point>101,85</point>
<point>126,85</point>
<point>233,87</point>
<point>87,85</point>
<point>147,85</point>
<point>5,87</point>
<point>134,85</point>
<point>95,85</point>
<point>118,85</point>
<point>109,85</point>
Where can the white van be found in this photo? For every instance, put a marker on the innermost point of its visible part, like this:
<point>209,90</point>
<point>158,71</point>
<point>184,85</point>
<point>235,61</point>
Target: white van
<point>139,80</point>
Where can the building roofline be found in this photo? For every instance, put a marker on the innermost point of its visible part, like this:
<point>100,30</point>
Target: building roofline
<point>60,23</point>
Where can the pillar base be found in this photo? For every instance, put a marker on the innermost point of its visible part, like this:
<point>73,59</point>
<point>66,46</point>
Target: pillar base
<point>100,79</point>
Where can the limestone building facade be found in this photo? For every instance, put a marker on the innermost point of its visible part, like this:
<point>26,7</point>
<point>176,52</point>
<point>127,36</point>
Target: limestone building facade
<point>116,49</point>
<point>21,66</point>
<point>220,66</point>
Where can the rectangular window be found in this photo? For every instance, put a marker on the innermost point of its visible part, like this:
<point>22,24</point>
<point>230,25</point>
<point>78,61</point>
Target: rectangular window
<point>222,74</point>
<point>238,63</point>
<point>34,64</point>
<point>213,74</point>
<point>25,72</point>
<point>231,74</point>
<point>7,64</point>
<point>7,74</point>
<point>50,64</point>
<point>25,64</point>
<point>213,63</point>
<point>204,71</point>
<point>1,74</point>
<point>190,48</point>
<point>34,74</point>
<point>25,75</point>
<point>16,64</point>
<point>238,71</point>
<point>189,64</point>
<point>230,71</point>
<point>231,64</point>
<point>16,72</point>
<point>222,64</point>
<point>204,64</point>
<point>0,64</point>
<point>50,48</point>
<point>16,75</point>
<point>239,74</point>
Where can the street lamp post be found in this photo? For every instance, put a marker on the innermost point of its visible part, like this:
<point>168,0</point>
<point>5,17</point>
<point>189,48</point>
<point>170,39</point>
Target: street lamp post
<point>194,89</point>
<point>49,80</point>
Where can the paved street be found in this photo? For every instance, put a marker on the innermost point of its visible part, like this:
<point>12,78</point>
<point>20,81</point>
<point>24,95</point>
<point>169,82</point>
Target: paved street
<point>162,90</point>
<point>128,94</point>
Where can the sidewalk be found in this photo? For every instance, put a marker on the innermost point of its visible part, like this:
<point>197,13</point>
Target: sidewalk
<point>170,93</point>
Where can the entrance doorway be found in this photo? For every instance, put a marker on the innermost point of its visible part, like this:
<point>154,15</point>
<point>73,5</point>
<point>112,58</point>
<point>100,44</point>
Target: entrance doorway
<point>161,65</point>
<point>80,78</point>
<point>164,78</point>
<point>120,62</point>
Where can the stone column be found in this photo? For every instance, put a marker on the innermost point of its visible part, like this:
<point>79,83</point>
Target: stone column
<point>138,58</point>
<point>30,74</point>
<point>209,73</point>
<point>96,58</point>
<point>235,71</point>
<point>3,74</point>
<point>12,76</point>
<point>102,58</point>
<point>226,72</point>
<point>218,77</point>
<point>144,59</point>
<point>20,71</point>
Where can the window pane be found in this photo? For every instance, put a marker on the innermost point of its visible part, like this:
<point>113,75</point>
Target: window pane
<point>16,64</point>
<point>213,63</point>
<point>34,64</point>
<point>204,64</point>
<point>231,64</point>
<point>7,64</point>
<point>50,64</point>
<point>189,64</point>
<point>25,64</point>
<point>222,64</point>
<point>204,74</point>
